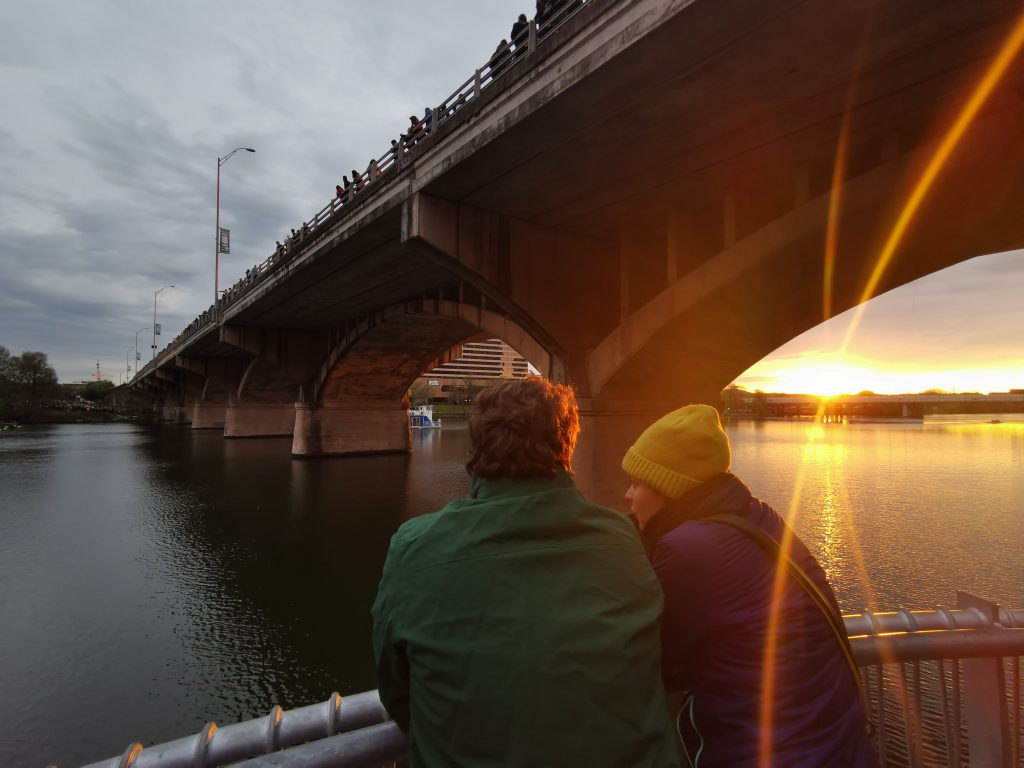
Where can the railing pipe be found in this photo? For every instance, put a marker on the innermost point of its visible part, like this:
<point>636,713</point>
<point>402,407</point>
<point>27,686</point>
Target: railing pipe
<point>870,623</point>
<point>369,747</point>
<point>932,644</point>
<point>279,729</point>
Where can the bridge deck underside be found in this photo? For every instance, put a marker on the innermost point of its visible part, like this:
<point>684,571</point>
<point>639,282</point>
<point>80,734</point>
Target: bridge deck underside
<point>659,154</point>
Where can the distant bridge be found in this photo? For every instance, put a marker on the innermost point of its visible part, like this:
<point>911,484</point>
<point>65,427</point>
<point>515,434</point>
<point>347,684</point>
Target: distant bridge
<point>905,406</point>
<point>643,199</point>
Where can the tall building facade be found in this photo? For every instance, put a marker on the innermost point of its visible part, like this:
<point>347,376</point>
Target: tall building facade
<point>491,359</point>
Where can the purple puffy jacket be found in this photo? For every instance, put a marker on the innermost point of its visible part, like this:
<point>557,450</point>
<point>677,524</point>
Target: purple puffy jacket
<point>717,584</point>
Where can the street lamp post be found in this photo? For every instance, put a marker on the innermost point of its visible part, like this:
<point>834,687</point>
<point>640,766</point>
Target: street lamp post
<point>137,345</point>
<point>155,294</point>
<point>216,240</point>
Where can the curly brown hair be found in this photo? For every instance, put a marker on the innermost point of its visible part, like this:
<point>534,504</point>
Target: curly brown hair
<point>524,429</point>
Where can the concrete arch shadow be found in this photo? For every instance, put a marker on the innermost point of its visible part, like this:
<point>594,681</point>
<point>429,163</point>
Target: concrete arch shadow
<point>358,400</point>
<point>703,330</point>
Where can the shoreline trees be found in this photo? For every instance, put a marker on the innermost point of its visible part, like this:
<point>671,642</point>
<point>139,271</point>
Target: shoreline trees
<point>26,381</point>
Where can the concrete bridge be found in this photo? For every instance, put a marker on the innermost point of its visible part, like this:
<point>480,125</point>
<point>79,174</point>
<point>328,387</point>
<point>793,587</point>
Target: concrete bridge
<point>643,201</point>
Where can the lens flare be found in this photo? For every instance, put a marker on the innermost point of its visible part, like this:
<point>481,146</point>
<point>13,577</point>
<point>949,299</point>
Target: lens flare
<point>1009,50</point>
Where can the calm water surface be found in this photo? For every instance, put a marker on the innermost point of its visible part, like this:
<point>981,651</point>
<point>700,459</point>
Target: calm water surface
<point>152,580</point>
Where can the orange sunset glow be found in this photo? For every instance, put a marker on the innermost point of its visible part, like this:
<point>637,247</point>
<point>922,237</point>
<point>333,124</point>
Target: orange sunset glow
<point>958,330</point>
<point>828,374</point>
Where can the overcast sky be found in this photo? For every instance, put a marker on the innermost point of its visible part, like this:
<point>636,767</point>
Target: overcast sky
<point>114,113</point>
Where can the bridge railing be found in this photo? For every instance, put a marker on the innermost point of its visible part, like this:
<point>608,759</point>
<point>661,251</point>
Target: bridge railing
<point>943,688</point>
<point>502,61</point>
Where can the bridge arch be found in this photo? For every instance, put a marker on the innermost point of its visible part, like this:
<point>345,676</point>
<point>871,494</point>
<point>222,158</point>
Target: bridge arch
<point>707,327</point>
<point>358,403</point>
<point>381,355</point>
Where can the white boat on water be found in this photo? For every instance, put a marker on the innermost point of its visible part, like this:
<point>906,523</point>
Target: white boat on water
<point>422,417</point>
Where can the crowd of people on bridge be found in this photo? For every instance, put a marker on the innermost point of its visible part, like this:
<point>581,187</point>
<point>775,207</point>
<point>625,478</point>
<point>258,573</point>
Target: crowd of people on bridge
<point>526,625</point>
<point>549,13</point>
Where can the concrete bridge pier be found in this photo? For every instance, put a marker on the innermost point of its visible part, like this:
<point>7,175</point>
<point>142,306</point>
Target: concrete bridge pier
<point>259,420</point>
<point>282,363</point>
<point>348,428</point>
<point>171,411</point>
<point>207,415</point>
<point>206,383</point>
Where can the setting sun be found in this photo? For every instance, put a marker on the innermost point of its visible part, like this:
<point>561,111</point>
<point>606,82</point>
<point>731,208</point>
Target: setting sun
<point>955,330</point>
<point>824,373</point>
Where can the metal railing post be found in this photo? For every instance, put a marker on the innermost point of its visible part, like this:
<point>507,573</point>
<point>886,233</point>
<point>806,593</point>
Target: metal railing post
<point>532,43</point>
<point>476,84</point>
<point>988,733</point>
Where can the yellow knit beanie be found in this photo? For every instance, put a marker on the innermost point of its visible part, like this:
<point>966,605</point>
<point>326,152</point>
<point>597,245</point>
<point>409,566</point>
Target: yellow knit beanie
<point>679,451</point>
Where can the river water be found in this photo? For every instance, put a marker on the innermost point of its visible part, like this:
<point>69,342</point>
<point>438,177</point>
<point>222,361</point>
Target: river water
<point>153,579</point>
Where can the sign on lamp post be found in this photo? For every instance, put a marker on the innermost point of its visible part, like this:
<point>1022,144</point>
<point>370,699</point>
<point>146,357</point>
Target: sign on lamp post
<point>156,325</point>
<point>222,244</point>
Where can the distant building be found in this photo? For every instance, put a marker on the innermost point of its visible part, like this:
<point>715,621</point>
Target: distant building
<point>491,359</point>
<point>482,363</point>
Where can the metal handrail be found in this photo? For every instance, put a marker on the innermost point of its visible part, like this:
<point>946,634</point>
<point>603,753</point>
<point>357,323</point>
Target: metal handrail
<point>280,729</point>
<point>356,731</point>
<point>937,644</point>
<point>869,623</point>
<point>392,159</point>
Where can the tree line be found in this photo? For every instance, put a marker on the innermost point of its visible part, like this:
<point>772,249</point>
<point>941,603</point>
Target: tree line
<point>26,380</point>
<point>28,383</point>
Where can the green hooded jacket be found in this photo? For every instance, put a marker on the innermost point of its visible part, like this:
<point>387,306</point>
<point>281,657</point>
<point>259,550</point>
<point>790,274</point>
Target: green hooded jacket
<point>519,627</point>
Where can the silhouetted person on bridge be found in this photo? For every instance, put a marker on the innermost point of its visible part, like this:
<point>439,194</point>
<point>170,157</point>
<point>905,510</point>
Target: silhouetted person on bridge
<point>737,581</point>
<point>357,181</point>
<point>415,129</point>
<point>519,35</point>
<point>542,15</point>
<point>500,59</point>
<point>520,626</point>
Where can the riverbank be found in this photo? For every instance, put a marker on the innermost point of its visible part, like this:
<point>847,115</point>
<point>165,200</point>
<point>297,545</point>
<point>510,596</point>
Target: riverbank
<point>77,416</point>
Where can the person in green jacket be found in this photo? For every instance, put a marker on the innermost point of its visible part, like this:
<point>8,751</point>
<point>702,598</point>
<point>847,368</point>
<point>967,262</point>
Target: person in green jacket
<point>519,627</point>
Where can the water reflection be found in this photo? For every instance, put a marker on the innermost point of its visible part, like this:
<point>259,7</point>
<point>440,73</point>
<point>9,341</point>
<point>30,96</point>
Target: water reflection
<point>928,508</point>
<point>170,577</point>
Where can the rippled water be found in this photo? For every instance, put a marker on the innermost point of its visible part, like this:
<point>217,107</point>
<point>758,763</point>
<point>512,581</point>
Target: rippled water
<point>154,579</point>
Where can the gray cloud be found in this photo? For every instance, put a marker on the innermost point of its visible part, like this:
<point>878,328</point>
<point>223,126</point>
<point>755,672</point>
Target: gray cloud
<point>121,110</point>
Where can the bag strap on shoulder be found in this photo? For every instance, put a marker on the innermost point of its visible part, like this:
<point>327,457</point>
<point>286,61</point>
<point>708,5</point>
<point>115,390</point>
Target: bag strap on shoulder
<point>771,547</point>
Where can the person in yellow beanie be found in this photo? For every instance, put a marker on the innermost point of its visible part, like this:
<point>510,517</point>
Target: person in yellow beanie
<point>716,550</point>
